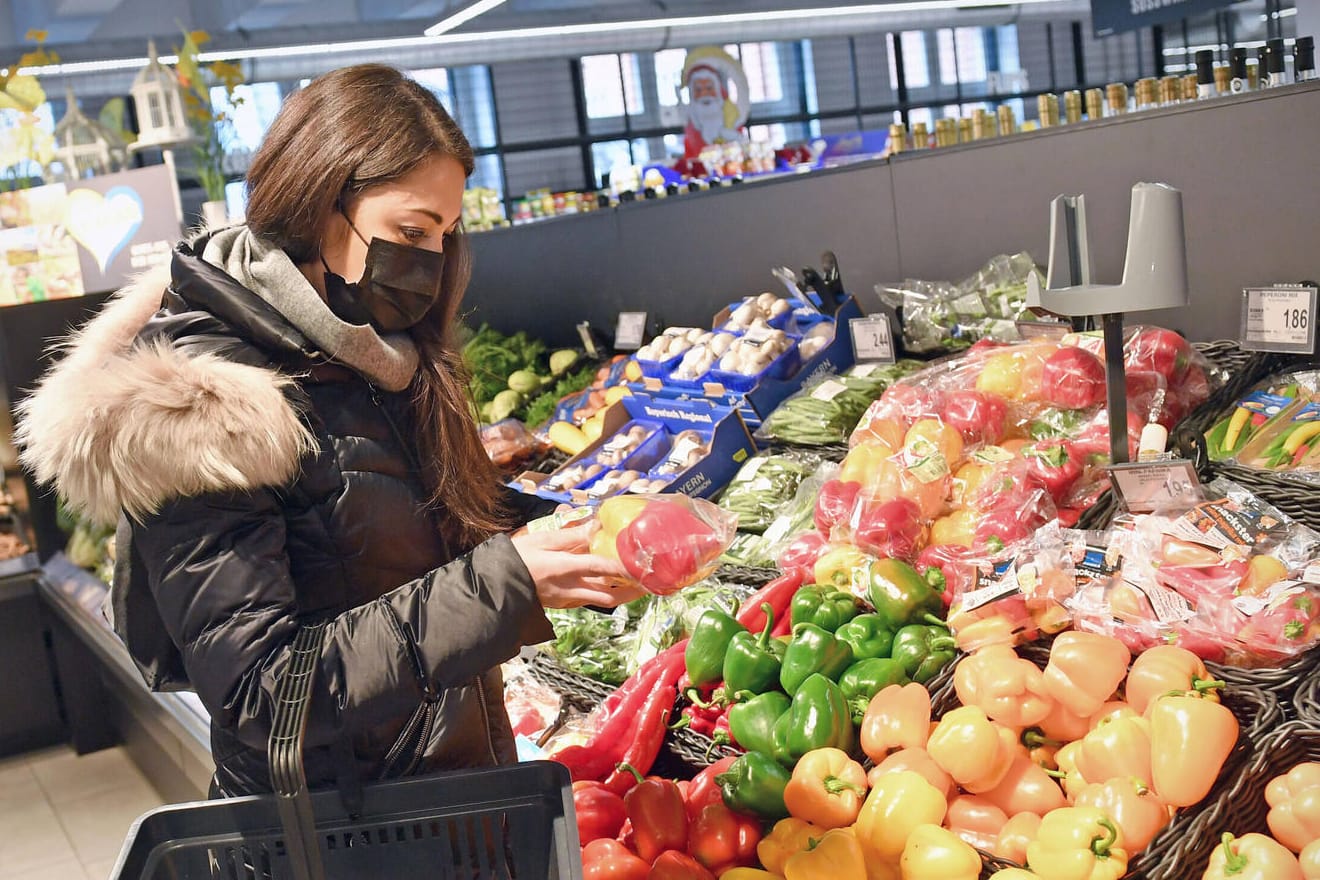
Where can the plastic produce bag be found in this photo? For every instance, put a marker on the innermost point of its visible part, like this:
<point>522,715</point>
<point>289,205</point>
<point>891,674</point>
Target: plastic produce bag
<point>823,412</point>
<point>665,542</point>
<point>669,619</point>
<point>593,644</point>
<point>763,485</point>
<point>510,445</point>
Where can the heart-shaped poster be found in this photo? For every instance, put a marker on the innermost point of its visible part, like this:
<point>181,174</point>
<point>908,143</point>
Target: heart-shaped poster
<point>103,224</point>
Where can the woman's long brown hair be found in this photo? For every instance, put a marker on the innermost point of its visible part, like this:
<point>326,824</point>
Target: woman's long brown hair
<point>343,133</point>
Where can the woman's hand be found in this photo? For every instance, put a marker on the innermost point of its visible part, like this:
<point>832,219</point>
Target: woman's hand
<point>567,576</point>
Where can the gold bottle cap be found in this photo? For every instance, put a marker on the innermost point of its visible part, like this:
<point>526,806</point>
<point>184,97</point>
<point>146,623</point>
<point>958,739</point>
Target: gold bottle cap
<point>1223,79</point>
<point>1116,95</point>
<point>1095,103</point>
<point>965,131</point>
<point>920,136</point>
<point>946,132</point>
<point>897,137</point>
<point>1007,120</point>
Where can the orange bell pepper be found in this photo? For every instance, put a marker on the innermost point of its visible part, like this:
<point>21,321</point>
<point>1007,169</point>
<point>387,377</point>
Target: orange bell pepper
<point>1006,687</point>
<point>826,789</point>
<point>1309,859</point>
<point>1112,711</point>
<point>974,630</point>
<point>898,717</point>
<point>972,749</point>
<point>788,837</point>
<point>957,527</point>
<point>1252,857</point>
<point>918,761</point>
<point>895,806</point>
<point>1014,874</point>
<point>935,853</point>
<point>838,855</point>
<point>1263,572</point>
<point>1040,748</point>
<point>975,820</point>
<point>1190,739</point>
<point>1164,668</point>
<point>749,874</point>
<point>1026,788</point>
<point>1017,832</point>
<point>1072,779</point>
<point>1063,725</point>
<point>1077,843</point>
<point>1294,799</point>
<point>1135,808</point>
<point>1117,749</point>
<point>1084,670</point>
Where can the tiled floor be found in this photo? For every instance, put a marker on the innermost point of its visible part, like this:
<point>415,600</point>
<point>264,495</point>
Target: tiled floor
<point>64,816</point>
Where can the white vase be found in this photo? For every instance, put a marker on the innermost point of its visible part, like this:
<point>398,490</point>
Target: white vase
<point>215,214</point>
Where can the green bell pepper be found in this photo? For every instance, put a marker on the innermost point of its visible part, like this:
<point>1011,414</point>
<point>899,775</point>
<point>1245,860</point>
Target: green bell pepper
<point>813,650</point>
<point>752,663</point>
<point>863,680</point>
<point>817,718</point>
<point>900,595</point>
<point>755,784</point>
<point>923,650</point>
<point>826,606</point>
<point>867,635</point>
<point>753,723</point>
<point>706,647</point>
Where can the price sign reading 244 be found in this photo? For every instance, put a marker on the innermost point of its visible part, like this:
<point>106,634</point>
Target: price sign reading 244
<point>873,339</point>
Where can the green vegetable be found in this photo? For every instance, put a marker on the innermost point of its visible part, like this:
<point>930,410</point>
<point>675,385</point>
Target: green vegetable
<point>899,595</point>
<point>505,404</point>
<point>827,607</point>
<point>752,663</point>
<point>822,413</point>
<point>668,619</point>
<point>763,485</point>
<point>867,635</point>
<point>704,655</point>
<point>817,718</point>
<point>596,645</point>
<point>923,650</point>
<point>754,784</point>
<point>543,406</point>
<point>862,681</point>
<point>813,651</point>
<point>524,382</point>
<point>752,723</point>
<point>562,361</point>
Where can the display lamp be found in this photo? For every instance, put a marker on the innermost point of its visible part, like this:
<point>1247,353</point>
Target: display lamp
<point>1154,277</point>
<point>159,105</point>
<point>85,147</point>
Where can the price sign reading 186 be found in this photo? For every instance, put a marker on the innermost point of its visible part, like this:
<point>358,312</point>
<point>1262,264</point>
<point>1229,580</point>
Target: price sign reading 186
<point>1280,318</point>
<point>873,339</point>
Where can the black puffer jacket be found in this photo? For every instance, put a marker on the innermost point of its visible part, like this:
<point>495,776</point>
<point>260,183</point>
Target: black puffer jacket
<point>271,488</point>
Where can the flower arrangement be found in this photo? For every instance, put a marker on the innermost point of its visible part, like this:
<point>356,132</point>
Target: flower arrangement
<point>211,127</point>
<point>24,144</point>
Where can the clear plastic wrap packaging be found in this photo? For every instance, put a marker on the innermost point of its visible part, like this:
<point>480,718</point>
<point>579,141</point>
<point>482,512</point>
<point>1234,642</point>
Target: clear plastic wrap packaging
<point>532,705</point>
<point>669,619</point>
<point>510,445</point>
<point>764,484</point>
<point>824,412</point>
<point>665,542</point>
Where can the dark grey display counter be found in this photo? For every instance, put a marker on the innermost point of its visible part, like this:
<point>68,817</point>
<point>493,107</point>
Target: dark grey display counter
<point>29,704</point>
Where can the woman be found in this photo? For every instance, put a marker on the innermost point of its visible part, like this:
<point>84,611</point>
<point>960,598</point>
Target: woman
<point>282,445</point>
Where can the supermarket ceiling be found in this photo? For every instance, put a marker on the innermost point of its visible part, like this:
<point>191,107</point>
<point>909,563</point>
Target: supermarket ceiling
<point>83,30</point>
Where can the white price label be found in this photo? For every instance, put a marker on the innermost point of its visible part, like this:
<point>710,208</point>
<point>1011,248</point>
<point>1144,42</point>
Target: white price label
<point>630,332</point>
<point>828,390</point>
<point>873,339</point>
<point>1144,487</point>
<point>1279,319</point>
<point>759,335</point>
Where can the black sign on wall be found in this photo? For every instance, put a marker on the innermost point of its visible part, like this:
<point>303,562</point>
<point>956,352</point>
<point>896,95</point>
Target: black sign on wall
<point>1118,16</point>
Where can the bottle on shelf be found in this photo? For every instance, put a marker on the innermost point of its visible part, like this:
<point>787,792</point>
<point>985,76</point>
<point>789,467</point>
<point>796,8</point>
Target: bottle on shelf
<point>1304,60</point>
<point>1145,93</point>
<point>920,136</point>
<point>1170,91</point>
<point>1276,63</point>
<point>983,125</point>
<point>1239,72</point>
<point>1095,104</point>
<point>1191,89</point>
<point>1262,68</point>
<point>1205,73</point>
<point>1072,107</point>
<point>946,132</point>
<point>1007,120</point>
<point>897,138</point>
<point>1116,96</point>
<point>1047,110</point>
<point>966,131</point>
<point>1223,79</point>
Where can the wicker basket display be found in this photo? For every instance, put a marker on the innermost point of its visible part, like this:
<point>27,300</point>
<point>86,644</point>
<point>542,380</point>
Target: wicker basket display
<point>1285,682</point>
<point>1306,700</point>
<point>579,690</point>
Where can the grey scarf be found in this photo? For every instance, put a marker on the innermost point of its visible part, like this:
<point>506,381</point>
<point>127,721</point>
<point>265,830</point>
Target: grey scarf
<point>388,360</point>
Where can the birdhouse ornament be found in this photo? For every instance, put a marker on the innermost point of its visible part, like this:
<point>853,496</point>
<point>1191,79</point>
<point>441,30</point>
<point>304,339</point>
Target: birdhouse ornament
<point>159,105</point>
<point>84,147</point>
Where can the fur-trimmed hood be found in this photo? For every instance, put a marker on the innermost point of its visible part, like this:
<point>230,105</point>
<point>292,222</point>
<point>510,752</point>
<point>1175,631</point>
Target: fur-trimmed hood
<point>122,425</point>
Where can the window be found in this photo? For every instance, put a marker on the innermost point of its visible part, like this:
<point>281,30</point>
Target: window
<point>962,55</point>
<point>922,114</point>
<point>486,174</point>
<point>613,85</point>
<point>608,155</point>
<point>250,117</point>
<point>916,68</point>
<point>436,80</point>
<point>669,75</point>
<point>765,81</point>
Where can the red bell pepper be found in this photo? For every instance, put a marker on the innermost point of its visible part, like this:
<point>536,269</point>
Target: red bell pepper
<point>721,839</point>
<point>1159,350</point>
<point>704,790</point>
<point>666,545</point>
<point>1005,525</point>
<point>1056,463</point>
<point>1073,378</point>
<point>979,416</point>
<point>835,504</point>
<point>910,403</point>
<point>658,816</point>
<point>600,812</point>
<point>675,865</point>
<point>1093,440</point>
<point>803,551</point>
<point>892,528</point>
<point>611,860</point>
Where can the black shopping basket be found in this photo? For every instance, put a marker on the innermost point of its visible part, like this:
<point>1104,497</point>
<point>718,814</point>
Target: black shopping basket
<point>514,823</point>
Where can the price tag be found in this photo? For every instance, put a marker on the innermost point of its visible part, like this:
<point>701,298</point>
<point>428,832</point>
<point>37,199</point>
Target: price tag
<point>630,332</point>
<point>1143,487</point>
<point>1279,318</point>
<point>873,339</point>
<point>588,340</point>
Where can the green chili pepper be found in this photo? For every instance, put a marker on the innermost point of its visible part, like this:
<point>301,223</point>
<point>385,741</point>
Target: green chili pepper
<point>862,681</point>
<point>813,650</point>
<point>753,723</point>
<point>900,595</point>
<point>817,718</point>
<point>923,650</point>
<point>754,784</point>
<point>752,663</point>
<point>704,655</point>
<point>867,635</point>
<point>827,607</point>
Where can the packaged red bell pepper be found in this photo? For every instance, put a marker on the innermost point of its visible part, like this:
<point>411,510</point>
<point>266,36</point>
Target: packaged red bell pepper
<point>666,542</point>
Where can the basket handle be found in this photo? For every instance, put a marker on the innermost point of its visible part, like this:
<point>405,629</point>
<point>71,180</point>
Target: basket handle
<point>288,778</point>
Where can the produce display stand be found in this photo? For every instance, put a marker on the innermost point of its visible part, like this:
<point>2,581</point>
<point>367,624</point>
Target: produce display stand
<point>30,715</point>
<point>507,822</point>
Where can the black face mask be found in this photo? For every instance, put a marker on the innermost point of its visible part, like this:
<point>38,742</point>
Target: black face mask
<point>398,287</point>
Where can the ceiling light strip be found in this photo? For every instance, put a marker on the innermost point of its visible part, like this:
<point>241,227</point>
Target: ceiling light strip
<point>462,17</point>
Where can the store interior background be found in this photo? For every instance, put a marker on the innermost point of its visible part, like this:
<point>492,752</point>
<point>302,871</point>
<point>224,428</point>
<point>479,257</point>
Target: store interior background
<point>559,113</point>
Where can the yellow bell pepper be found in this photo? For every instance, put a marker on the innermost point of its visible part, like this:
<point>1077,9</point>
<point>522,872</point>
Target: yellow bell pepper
<point>1252,857</point>
<point>1016,835</point>
<point>972,749</point>
<point>837,856</point>
<point>1294,799</point>
<point>1008,874</point>
<point>788,838</point>
<point>1119,748</point>
<point>836,567</point>
<point>864,460</point>
<point>1077,843</point>
<point>827,788</point>
<point>935,853</point>
<point>1309,859</point>
<point>1084,670</point>
<point>1072,779</point>
<point>749,874</point>
<point>896,805</point>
